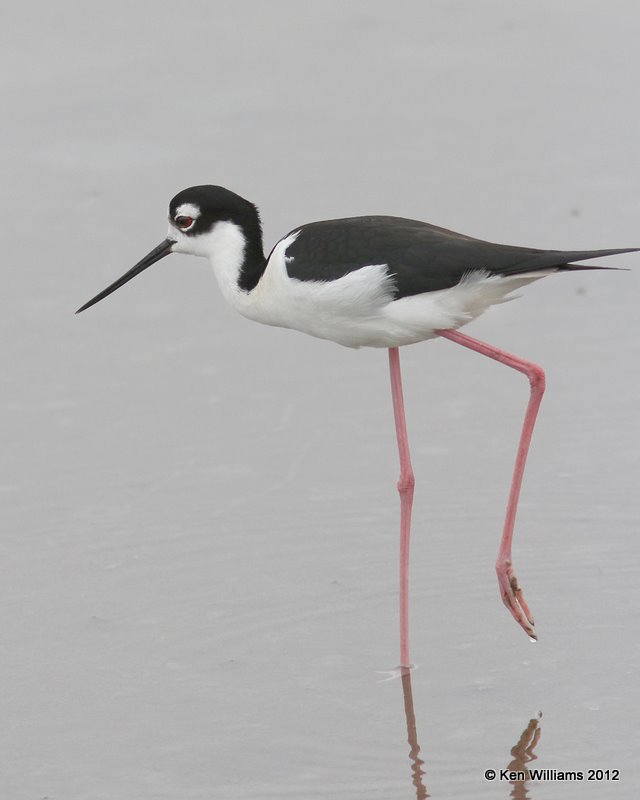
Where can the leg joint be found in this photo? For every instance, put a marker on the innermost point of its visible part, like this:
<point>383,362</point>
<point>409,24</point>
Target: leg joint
<point>406,482</point>
<point>536,377</point>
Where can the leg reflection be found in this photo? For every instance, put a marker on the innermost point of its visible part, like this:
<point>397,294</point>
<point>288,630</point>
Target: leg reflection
<point>412,737</point>
<point>522,753</point>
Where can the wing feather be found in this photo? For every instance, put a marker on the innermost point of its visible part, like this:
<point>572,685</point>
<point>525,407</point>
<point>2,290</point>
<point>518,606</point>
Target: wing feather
<point>420,257</point>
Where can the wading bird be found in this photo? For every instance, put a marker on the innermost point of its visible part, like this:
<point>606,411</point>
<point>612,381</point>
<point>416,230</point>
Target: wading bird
<point>372,281</point>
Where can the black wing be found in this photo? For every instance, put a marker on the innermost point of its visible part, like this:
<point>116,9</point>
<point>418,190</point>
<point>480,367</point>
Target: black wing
<point>420,257</point>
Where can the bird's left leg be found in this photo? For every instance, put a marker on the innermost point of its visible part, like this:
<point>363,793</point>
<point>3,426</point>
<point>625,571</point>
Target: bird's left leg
<point>405,488</point>
<point>509,587</point>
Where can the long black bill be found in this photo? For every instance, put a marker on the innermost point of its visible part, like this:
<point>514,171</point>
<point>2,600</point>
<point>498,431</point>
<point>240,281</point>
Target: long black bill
<point>162,250</point>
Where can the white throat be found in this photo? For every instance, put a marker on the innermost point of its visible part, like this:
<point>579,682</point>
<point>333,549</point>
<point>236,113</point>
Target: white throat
<point>224,245</point>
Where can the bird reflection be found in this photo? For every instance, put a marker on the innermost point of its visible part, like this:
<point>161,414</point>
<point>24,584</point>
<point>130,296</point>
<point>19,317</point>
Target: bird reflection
<point>522,753</point>
<point>412,737</point>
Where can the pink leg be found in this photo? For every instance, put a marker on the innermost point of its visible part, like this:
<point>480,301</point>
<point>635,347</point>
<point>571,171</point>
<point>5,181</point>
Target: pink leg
<point>509,588</point>
<point>405,488</point>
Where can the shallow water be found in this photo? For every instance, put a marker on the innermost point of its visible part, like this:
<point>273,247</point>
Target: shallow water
<point>199,539</point>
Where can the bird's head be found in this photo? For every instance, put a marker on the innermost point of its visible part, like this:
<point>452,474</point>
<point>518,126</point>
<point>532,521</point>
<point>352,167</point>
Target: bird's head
<point>207,221</point>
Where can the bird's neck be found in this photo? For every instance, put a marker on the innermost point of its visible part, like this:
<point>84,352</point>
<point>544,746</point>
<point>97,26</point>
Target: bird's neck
<point>254,262</point>
<point>235,253</point>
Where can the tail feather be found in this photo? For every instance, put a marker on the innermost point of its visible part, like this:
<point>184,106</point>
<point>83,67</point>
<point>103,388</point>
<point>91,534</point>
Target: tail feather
<point>580,267</point>
<point>561,259</point>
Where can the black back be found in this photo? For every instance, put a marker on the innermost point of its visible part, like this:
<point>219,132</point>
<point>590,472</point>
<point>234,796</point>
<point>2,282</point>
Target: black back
<point>420,257</point>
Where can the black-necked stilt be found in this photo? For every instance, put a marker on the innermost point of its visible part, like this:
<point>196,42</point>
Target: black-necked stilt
<point>376,282</point>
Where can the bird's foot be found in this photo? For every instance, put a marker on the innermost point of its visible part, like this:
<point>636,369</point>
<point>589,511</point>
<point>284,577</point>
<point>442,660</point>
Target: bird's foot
<point>513,597</point>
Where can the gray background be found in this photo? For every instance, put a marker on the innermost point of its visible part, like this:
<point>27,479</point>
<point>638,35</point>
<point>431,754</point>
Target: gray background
<point>199,525</point>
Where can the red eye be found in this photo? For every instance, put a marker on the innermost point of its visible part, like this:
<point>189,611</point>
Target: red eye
<point>184,222</point>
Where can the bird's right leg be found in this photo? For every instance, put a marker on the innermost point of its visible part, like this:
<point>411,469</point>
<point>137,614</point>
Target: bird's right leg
<point>405,489</point>
<point>509,587</point>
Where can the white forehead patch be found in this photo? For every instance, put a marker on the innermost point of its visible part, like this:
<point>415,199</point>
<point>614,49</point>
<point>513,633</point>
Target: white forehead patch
<point>188,210</point>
